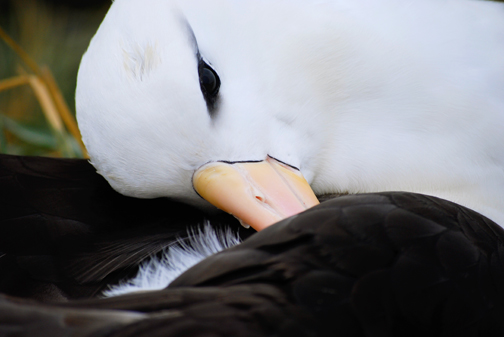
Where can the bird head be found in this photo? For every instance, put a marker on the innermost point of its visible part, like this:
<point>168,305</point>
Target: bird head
<point>166,109</point>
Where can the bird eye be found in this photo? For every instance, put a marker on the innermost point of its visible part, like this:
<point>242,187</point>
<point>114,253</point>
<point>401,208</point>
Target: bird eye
<point>209,83</point>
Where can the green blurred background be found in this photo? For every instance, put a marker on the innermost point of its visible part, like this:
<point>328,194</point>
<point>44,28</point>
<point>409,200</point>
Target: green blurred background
<point>54,33</point>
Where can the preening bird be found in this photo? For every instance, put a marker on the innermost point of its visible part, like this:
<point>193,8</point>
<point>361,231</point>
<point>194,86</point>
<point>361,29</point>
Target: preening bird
<point>246,103</point>
<point>256,107</point>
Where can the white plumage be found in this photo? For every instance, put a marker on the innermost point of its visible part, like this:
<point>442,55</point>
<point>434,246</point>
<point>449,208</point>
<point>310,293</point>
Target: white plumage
<point>158,272</point>
<point>360,95</point>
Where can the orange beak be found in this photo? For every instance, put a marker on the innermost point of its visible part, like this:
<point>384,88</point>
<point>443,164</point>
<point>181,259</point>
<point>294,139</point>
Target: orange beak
<point>257,193</point>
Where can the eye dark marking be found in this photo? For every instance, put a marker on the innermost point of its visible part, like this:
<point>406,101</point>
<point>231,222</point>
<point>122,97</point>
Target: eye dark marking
<point>209,84</point>
<point>208,81</point>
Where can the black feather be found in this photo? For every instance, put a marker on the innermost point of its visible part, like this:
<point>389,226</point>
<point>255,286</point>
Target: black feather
<point>383,264</point>
<point>62,227</point>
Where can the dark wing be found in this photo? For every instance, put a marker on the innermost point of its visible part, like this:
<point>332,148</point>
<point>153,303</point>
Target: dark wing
<point>65,232</point>
<point>245,310</point>
<point>385,264</point>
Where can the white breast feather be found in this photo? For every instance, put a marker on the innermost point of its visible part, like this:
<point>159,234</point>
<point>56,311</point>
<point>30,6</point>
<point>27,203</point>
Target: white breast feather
<point>157,273</point>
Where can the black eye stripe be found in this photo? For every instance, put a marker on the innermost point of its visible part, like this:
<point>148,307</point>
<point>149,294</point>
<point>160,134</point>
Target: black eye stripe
<point>209,84</point>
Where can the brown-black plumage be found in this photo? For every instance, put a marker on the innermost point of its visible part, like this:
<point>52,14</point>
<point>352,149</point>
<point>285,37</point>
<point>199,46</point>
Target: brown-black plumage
<point>383,264</point>
<point>65,232</point>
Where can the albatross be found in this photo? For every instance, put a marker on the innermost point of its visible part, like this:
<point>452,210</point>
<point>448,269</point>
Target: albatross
<point>257,106</point>
<point>242,105</point>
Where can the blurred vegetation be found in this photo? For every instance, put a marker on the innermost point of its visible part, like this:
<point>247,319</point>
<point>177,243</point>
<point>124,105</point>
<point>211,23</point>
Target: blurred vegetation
<point>54,34</point>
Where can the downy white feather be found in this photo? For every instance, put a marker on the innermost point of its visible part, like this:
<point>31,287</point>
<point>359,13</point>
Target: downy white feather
<point>157,273</point>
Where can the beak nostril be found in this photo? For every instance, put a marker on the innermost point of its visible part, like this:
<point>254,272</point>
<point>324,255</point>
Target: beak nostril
<point>259,198</point>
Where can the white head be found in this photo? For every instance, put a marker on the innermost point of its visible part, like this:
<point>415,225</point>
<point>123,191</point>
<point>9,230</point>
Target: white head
<point>359,95</point>
<point>144,118</point>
